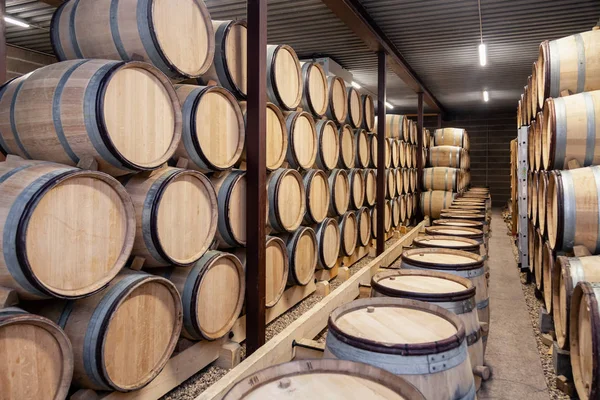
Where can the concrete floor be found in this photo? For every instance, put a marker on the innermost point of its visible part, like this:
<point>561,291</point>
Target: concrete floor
<point>511,351</point>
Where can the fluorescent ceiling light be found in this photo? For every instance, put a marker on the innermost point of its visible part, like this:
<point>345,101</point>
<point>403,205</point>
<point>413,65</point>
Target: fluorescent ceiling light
<point>482,55</point>
<point>356,85</point>
<point>388,105</point>
<point>486,96</point>
<point>15,21</point>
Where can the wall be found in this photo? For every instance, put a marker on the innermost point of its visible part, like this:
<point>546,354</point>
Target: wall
<point>20,61</point>
<point>490,136</point>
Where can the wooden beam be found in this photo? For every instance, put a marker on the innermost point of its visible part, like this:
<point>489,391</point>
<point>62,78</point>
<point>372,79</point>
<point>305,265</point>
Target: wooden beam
<point>53,3</point>
<point>256,194</point>
<point>381,118</point>
<point>420,161</point>
<point>280,348</point>
<point>356,17</point>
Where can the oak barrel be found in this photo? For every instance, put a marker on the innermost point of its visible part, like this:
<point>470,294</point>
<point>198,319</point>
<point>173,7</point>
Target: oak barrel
<point>535,191</point>
<point>231,199</point>
<point>541,199</point>
<point>328,145</point>
<point>387,219</point>
<point>361,143</point>
<point>348,233</point>
<point>284,77</point>
<point>395,154</point>
<point>406,180</point>
<point>357,334</point>
<point>302,248</point>
<point>339,184</point>
<point>357,188</point>
<point>328,241</point>
<point>460,223</point>
<point>338,99</point>
<point>433,202</point>
<point>124,335</point>
<point>445,156</point>
<point>347,147</point>
<point>533,101</point>
<point>323,378</point>
<point>531,241</point>
<point>302,140</point>
<point>315,93</point>
<point>441,178</point>
<point>460,231</point>
<point>368,112</point>
<point>399,181</point>
<point>85,250</point>
<point>355,108</point>
<point>413,177</point>
<point>448,242</point>
<point>37,357</point>
<point>452,137</point>
<point>125,115</point>
<point>396,126</point>
<point>410,205</point>
<point>276,136</point>
<point>363,220</point>
<point>548,260</point>
<point>402,156</point>
<point>403,212</point>
<point>212,291</point>
<point>395,205</point>
<point>390,183</point>
<point>370,179</point>
<point>287,200</point>
<point>316,186</point>
<point>137,30</point>
<point>373,150</point>
<point>451,292</point>
<point>177,214</point>
<point>537,266</point>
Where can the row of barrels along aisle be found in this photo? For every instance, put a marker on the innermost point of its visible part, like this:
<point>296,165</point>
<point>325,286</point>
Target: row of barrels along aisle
<point>110,165</point>
<point>560,110</point>
<point>435,305</point>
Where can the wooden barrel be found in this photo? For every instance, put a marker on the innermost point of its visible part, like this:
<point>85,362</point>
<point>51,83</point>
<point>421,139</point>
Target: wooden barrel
<point>370,179</point>
<point>361,144</point>
<point>529,95</point>
<point>566,274</point>
<point>413,134</point>
<point>387,219</point>
<point>124,335</point>
<point>535,191</point>
<point>433,202</point>
<point>455,262</point>
<point>396,126</point>
<point>339,184</point>
<point>403,208</point>
<point>38,358</point>
<point>368,112</point>
<point>541,198</point>
<point>548,260</point>
<point>456,214</point>
<point>338,99</point>
<point>230,59</point>
<point>323,378</point>
<point>570,131</point>
<point>347,147</point>
<point>568,64</point>
<point>530,190</point>
<point>355,108</point>
<point>452,137</point>
<point>531,241</point>
<point>315,93</point>
<point>533,102</point>
<point>526,99</point>
<point>535,135</point>
<point>530,148</point>
<point>126,116</point>
<point>373,150</point>
<point>460,223</point>
<point>328,144</point>
<point>357,334</point>
<point>284,77</point>
<point>302,248</point>
<point>316,186</point>
<point>363,220</point>
<point>302,140</point>
<point>413,180</point>
<point>445,156</point>
<point>231,199</point>
<point>276,273</point>
<point>539,133</point>
<point>406,180</point>
<point>287,200</point>
<point>388,154</point>
<point>328,242</point>
<point>455,294</point>
<point>276,140</point>
<point>441,178</point>
<point>55,251</point>
<point>210,314</point>
<point>573,208</point>
<point>398,179</point>
<point>173,197</point>
<point>584,333</point>
<point>390,183</point>
<point>348,233</point>
<point>456,231</point>
<point>138,30</point>
<point>357,188</point>
<point>537,266</point>
<point>394,152</point>
<point>448,242</point>
<point>402,156</point>
<point>410,205</point>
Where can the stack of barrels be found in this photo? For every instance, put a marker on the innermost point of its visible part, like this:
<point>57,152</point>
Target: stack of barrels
<point>447,172</point>
<point>560,108</point>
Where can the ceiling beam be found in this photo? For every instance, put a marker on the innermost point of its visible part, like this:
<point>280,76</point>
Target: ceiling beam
<point>356,17</point>
<point>53,3</point>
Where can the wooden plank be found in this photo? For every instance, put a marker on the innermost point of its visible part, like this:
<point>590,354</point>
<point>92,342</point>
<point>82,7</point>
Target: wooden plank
<point>280,349</point>
<point>381,117</point>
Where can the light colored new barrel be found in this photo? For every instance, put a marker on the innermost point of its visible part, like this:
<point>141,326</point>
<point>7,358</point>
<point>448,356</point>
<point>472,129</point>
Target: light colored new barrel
<point>373,150</point>
<point>37,357</point>
<point>347,147</point>
<point>357,188</point>
<point>340,187</point>
<point>571,130</point>
<point>533,101</point>
<point>316,186</point>
<point>355,108</point>
<point>403,153</point>
<point>176,36</point>
<point>451,292</point>
<point>363,220</point>
<point>126,116</point>
<point>370,179</point>
<point>328,241</point>
<point>414,333</point>
<point>348,233</point>
<point>460,231</point>
<point>390,183</point>
<point>413,174</point>
<point>538,140</point>
<point>441,178</point>
<point>406,180</point>
<point>394,152</point>
<point>403,209</point>
<point>212,293</point>
<point>231,199</point>
<point>568,64</point>
<point>531,241</point>
<point>410,205</point>
<point>302,248</point>
<point>535,192</point>
<point>230,62</point>
<point>315,93</point>
<point>548,260</point>
<point>537,266</point>
<point>542,198</point>
<point>284,77</point>
<point>361,143</point>
<point>337,109</point>
<point>302,140</point>
<point>324,378</point>
<point>176,216</point>
<point>567,273</point>
<point>368,112</point>
<point>463,223</point>
<point>124,335</point>
<point>448,242</point>
<point>397,126</point>
<point>584,346</point>
<point>387,219</point>
<point>287,200</point>
<point>395,204</point>
<point>452,137</point>
<point>433,202</point>
<point>70,231</point>
<point>399,181</point>
<point>445,156</point>
<point>328,145</point>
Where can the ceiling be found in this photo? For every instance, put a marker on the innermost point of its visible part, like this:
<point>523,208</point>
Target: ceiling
<point>438,38</point>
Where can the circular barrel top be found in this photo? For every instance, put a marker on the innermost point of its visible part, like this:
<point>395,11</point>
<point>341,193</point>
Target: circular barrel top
<point>277,137</point>
<point>423,285</point>
<point>347,147</point>
<point>288,76</point>
<point>315,87</point>
<point>324,378</point>
<point>291,201</point>
<point>85,249</point>
<point>235,54</point>
<point>338,98</point>
<point>318,195</point>
<point>341,190</point>
<point>454,231</point>
<point>458,222</point>
<point>305,254</point>
<point>303,138</point>
<point>329,144</point>
<point>330,242</point>
<point>447,242</point>
<point>277,269</point>
<point>396,326</point>
<point>442,258</point>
